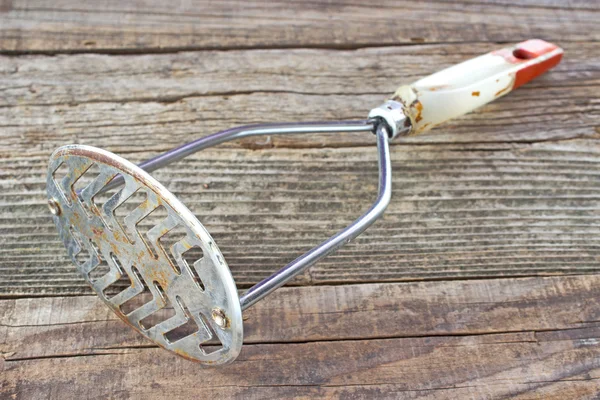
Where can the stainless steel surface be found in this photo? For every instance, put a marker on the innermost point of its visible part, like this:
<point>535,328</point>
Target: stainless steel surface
<point>392,112</point>
<point>106,247</point>
<point>266,286</point>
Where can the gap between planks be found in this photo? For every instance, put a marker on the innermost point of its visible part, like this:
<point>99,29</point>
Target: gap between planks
<point>76,26</point>
<point>323,341</point>
<point>45,327</point>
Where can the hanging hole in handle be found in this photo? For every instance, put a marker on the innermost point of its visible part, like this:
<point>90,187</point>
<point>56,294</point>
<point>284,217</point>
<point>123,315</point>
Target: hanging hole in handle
<point>523,54</point>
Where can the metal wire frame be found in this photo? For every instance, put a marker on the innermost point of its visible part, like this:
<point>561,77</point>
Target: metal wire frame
<point>285,274</point>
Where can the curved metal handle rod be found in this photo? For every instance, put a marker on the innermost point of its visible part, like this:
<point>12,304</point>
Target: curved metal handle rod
<point>239,132</point>
<point>267,285</point>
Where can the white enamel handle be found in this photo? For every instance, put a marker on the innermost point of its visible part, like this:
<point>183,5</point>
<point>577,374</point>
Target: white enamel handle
<point>462,88</point>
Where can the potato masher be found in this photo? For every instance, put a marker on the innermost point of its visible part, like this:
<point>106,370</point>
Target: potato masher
<point>186,273</point>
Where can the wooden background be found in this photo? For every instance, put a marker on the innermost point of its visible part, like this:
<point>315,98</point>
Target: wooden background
<point>482,281</point>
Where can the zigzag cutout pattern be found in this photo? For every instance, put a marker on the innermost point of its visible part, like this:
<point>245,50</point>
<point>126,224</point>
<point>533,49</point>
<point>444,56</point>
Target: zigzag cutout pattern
<point>117,269</point>
<point>116,242</point>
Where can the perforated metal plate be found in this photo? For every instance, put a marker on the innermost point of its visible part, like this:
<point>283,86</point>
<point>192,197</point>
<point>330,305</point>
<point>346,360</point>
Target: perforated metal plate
<point>145,254</point>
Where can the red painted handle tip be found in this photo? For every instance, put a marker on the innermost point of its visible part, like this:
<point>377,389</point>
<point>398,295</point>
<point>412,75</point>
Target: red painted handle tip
<point>538,57</point>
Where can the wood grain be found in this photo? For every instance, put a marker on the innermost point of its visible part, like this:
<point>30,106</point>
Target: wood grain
<point>143,26</point>
<point>83,325</point>
<point>458,211</point>
<point>427,340</point>
<point>554,365</point>
<point>169,99</point>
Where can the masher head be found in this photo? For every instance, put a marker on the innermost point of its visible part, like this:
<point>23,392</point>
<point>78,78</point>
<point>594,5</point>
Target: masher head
<point>179,291</point>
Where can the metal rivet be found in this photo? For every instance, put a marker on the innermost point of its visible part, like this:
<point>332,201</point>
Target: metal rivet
<point>54,207</point>
<point>219,317</point>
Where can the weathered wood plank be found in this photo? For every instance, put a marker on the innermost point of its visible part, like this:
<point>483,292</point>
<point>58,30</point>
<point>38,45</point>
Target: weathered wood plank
<point>457,211</point>
<point>73,25</point>
<point>71,326</point>
<point>555,365</point>
<point>169,99</point>
<point>441,339</point>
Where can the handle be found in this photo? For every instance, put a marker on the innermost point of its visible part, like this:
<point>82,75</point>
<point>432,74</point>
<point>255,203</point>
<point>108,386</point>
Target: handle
<point>462,88</point>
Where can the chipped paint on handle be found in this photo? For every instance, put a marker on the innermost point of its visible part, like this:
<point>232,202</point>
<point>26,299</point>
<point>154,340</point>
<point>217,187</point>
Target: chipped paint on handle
<point>462,88</point>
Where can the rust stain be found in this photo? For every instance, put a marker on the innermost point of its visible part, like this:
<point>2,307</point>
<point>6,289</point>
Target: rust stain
<point>121,238</point>
<point>436,88</point>
<point>158,275</point>
<point>123,317</point>
<point>115,249</point>
<point>475,94</point>
<point>501,91</point>
<point>95,209</point>
<point>141,254</point>
<point>417,105</point>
